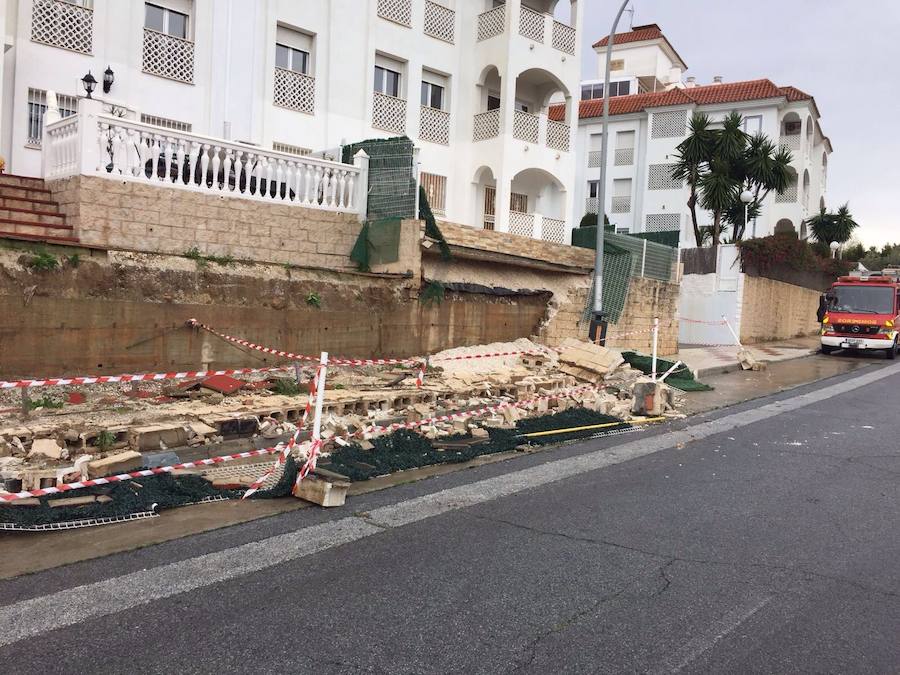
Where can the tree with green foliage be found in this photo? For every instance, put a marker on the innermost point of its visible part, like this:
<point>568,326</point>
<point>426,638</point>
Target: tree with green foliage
<point>830,226</point>
<point>718,164</point>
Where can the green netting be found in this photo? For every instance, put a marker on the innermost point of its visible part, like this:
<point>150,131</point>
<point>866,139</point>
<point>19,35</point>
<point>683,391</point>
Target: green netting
<point>378,243</point>
<point>406,449</point>
<point>392,179</point>
<point>654,260</point>
<point>616,279</point>
<point>665,237</point>
<point>683,379</point>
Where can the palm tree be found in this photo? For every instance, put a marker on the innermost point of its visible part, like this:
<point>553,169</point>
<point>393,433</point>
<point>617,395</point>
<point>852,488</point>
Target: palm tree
<point>691,160</point>
<point>765,167</point>
<point>844,224</point>
<point>828,227</point>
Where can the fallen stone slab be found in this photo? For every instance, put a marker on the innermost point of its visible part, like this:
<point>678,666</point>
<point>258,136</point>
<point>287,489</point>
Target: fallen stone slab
<point>122,462</point>
<point>46,447</point>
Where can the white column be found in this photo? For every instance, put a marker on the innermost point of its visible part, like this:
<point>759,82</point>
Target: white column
<point>361,161</point>
<point>89,135</point>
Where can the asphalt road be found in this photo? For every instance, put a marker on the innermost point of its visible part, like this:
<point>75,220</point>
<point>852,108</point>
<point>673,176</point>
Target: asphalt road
<point>760,538</point>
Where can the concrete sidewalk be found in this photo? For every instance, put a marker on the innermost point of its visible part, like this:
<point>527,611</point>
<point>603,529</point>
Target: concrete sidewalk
<point>721,359</point>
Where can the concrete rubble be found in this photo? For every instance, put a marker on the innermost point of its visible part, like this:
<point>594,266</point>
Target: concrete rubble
<point>115,431</point>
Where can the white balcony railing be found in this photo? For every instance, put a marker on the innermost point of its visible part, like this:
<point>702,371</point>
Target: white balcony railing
<point>531,24</point>
<point>440,21</point>
<point>594,158</point>
<point>63,24</point>
<point>521,224</point>
<point>487,125</point>
<point>389,113</point>
<point>111,147</point>
<point>591,205</point>
<point>624,157</point>
<point>295,90</point>
<point>398,11</point>
<point>557,135</point>
<point>434,125</point>
<point>621,204</point>
<point>789,196</point>
<point>564,37</point>
<point>168,56</point>
<point>526,126</point>
<point>491,23</point>
<point>791,142</point>
<point>553,229</point>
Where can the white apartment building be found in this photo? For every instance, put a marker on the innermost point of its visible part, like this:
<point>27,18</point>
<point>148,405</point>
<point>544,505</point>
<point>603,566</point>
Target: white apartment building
<point>650,107</point>
<point>469,81</point>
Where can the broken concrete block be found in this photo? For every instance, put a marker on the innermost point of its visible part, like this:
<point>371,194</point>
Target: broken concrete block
<point>122,462</point>
<point>46,447</point>
<point>746,359</point>
<point>650,398</point>
<point>480,433</point>
<point>150,437</point>
<point>578,357</point>
<point>327,493</point>
<point>79,501</point>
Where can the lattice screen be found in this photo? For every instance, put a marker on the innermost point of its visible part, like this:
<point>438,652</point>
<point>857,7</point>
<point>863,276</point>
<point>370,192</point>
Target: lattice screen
<point>624,156</point>
<point>487,125</point>
<point>553,229</point>
<point>563,37</point>
<point>439,21</point>
<point>594,159</point>
<point>789,196</point>
<point>295,90</point>
<point>663,222</point>
<point>491,23</point>
<point>389,113</point>
<point>63,24</point>
<point>659,177</point>
<point>396,10</point>
<point>434,125</point>
<point>671,124</point>
<point>558,135</point>
<point>525,126</point>
<point>168,56</point>
<point>531,24</point>
<point>621,204</point>
<point>521,224</point>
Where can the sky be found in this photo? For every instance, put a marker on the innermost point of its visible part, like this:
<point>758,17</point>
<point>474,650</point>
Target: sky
<point>845,54</point>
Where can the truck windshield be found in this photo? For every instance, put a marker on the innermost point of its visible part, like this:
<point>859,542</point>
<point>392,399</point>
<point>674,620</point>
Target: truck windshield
<point>862,299</point>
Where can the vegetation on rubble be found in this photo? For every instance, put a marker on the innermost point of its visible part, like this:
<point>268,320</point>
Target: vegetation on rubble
<point>313,300</point>
<point>42,261</point>
<point>46,401</point>
<point>286,387</point>
<point>433,292</point>
<point>203,260</point>
<point>73,260</point>
<point>105,440</point>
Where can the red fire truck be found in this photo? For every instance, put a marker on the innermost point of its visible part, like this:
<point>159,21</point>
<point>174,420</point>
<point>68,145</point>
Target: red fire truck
<point>862,312</point>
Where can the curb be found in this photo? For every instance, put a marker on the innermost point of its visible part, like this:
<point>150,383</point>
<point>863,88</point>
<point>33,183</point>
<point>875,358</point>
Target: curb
<point>736,366</point>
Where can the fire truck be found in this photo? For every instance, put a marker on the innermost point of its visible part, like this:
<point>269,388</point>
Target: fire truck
<point>862,312</point>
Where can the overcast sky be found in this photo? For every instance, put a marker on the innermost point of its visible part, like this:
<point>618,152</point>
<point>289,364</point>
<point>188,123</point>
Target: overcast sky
<point>800,43</point>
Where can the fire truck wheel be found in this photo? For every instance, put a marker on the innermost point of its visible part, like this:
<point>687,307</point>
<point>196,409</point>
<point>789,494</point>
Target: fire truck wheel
<point>892,352</point>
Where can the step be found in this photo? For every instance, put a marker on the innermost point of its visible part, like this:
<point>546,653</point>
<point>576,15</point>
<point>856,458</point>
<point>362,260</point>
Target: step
<point>23,226</point>
<point>42,205</point>
<point>38,237</point>
<point>28,182</point>
<point>24,193</point>
<point>32,216</point>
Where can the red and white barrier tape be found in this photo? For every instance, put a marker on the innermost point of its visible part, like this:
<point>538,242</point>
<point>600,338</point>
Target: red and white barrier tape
<point>66,487</point>
<point>720,322</point>
<point>286,448</point>
<point>145,377</point>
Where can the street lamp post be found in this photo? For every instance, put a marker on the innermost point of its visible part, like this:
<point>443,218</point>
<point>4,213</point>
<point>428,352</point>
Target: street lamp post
<point>598,319</point>
<point>835,247</point>
<point>747,198</point>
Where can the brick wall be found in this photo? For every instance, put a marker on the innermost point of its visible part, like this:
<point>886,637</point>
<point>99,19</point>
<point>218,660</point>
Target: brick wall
<point>137,216</point>
<point>647,299</point>
<point>774,310</point>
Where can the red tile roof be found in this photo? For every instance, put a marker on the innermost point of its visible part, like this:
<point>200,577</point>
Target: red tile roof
<point>637,34</point>
<point>732,92</point>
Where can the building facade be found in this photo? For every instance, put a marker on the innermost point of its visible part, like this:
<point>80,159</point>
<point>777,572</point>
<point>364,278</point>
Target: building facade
<point>469,81</point>
<point>650,107</point>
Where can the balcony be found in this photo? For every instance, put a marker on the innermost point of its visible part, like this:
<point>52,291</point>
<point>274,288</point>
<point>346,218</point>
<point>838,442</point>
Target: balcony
<point>791,142</point>
<point>592,205</point>
<point>440,22</point>
<point>295,91</point>
<point>398,11</point>
<point>594,159</point>
<point>537,226</point>
<point>389,113</point>
<point>557,135</point>
<point>487,125</point>
<point>168,56</point>
<point>621,204</point>
<point>533,25</point>
<point>526,126</point>
<point>434,125</point>
<point>789,196</point>
<point>63,24</point>
<point>624,157</point>
<point>93,144</point>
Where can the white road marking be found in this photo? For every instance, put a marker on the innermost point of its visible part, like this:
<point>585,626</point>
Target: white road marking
<point>35,616</point>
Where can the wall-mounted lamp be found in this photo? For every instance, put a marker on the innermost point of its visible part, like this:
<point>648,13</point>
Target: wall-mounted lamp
<point>108,79</point>
<point>89,83</point>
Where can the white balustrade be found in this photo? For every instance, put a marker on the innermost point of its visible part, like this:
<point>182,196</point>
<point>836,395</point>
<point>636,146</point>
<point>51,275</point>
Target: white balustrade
<point>621,204</point>
<point>789,196</point>
<point>531,24</point>
<point>487,125</point>
<point>623,157</point>
<point>491,23</point>
<point>591,205</point>
<point>557,135</point>
<point>398,11</point>
<point>526,126</point>
<point>563,37</point>
<point>434,125</point>
<point>553,229</point>
<point>440,21</point>
<point>63,24</point>
<point>791,142</point>
<point>168,56</point>
<point>294,90</point>
<point>389,113</point>
<point>594,158</point>
<point>112,147</point>
<point>521,224</point>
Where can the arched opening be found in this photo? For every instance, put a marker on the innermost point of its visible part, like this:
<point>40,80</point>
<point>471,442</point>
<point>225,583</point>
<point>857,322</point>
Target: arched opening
<point>537,205</point>
<point>785,227</point>
<point>810,127</point>
<point>821,203</point>
<point>791,126</point>
<point>536,89</point>
<point>824,170</point>
<point>485,187</point>
<point>803,233</point>
<point>805,202</point>
<point>789,196</point>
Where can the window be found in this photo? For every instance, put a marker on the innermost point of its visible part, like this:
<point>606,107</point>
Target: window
<point>164,20</point>
<point>436,190</point>
<point>521,106</point>
<point>165,123</point>
<point>595,89</point>
<point>518,202</point>
<point>593,189</point>
<point>432,95</point>
<point>792,128</point>
<point>292,59</point>
<point>753,124</point>
<point>37,106</point>
<point>387,81</point>
<point>493,102</point>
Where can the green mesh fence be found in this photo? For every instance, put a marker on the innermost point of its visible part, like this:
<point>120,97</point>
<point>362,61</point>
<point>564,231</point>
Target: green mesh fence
<point>616,278</point>
<point>666,237</point>
<point>654,260</point>
<point>392,180</point>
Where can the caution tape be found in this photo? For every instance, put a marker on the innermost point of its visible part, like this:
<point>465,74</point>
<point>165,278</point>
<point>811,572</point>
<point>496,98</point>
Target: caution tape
<point>143,377</point>
<point>143,473</point>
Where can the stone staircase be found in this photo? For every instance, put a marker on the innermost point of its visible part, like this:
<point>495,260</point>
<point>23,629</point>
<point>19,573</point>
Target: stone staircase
<point>27,211</point>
